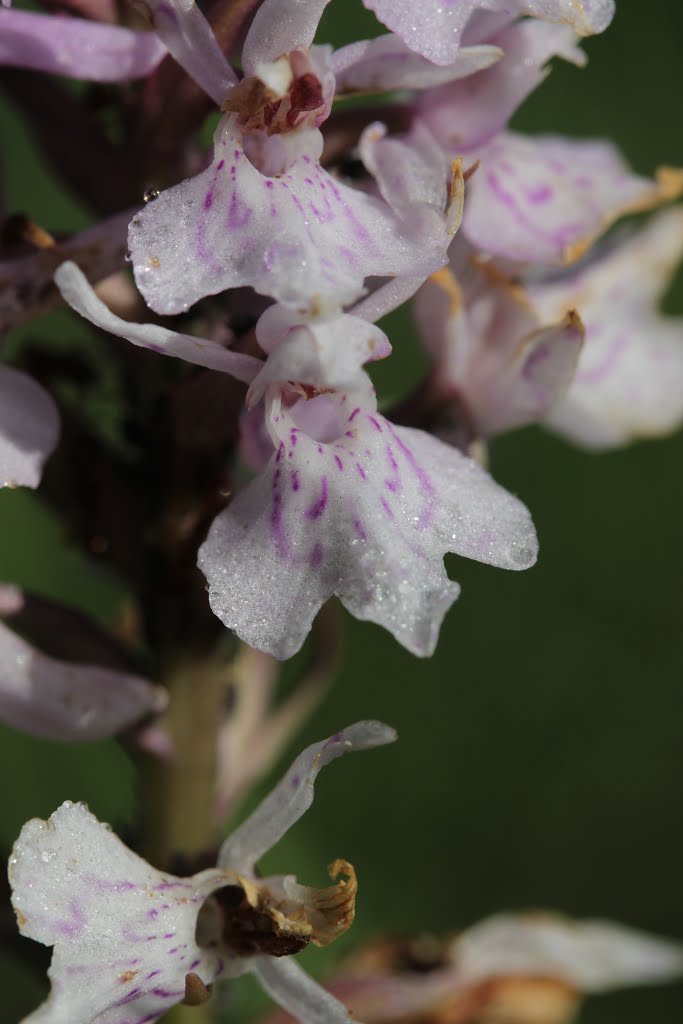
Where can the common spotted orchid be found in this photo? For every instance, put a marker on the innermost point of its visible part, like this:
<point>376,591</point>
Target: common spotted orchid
<point>533,199</point>
<point>130,941</point>
<point>265,213</point>
<point>629,382</point>
<point>348,504</point>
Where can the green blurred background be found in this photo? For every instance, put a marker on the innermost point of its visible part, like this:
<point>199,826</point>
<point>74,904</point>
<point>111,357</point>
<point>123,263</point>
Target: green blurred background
<point>540,747</point>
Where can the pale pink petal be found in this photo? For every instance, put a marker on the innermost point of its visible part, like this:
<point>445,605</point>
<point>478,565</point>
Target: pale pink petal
<point>466,114</point>
<point>417,179</point>
<point>544,199</point>
<point>585,16</point>
<point>590,956</point>
<point>62,700</point>
<point>79,294</point>
<point>304,238</point>
<point>367,516</point>
<point>491,349</point>
<point>385,63</point>
<point>76,48</point>
<point>189,37</point>
<point>629,382</point>
<point>432,28</point>
<point>280,26</point>
<point>29,428</point>
<point>124,933</point>
<point>287,984</point>
<point>293,795</point>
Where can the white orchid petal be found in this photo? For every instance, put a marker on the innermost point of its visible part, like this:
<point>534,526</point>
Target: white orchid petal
<point>385,63</point>
<point>544,199</point>
<point>65,701</point>
<point>189,37</point>
<point>587,17</point>
<point>591,956</point>
<point>280,26</point>
<point>296,992</point>
<point>79,294</point>
<point>432,28</point>
<point>367,517</point>
<point>303,237</point>
<point>77,48</point>
<point>29,428</point>
<point>124,933</point>
<point>293,795</point>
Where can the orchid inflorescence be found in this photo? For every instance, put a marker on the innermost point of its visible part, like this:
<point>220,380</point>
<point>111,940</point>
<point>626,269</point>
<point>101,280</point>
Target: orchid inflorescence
<point>340,185</point>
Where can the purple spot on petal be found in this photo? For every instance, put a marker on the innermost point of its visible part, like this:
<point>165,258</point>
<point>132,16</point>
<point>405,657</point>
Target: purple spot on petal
<point>295,480</point>
<point>220,165</point>
<point>152,974</point>
<point>339,462</point>
<point>375,423</point>
<point>361,471</point>
<point>296,781</point>
<point>387,508</point>
<point>354,413</point>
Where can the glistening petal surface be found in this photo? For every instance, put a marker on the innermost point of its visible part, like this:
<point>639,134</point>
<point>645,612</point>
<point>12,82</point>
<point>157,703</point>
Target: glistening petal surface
<point>367,517</point>
<point>303,238</point>
<point>432,28</point>
<point>124,933</point>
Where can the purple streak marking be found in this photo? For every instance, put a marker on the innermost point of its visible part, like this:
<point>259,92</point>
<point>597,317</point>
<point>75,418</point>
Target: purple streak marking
<point>340,464</point>
<point>319,506</point>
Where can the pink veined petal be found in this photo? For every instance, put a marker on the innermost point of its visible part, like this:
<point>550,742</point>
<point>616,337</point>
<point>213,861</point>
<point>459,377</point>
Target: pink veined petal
<point>367,517</point>
<point>293,989</point>
<point>433,28</point>
<point>29,428</point>
<point>280,26</point>
<point>591,956</point>
<point>629,382</point>
<point>385,63</point>
<point>76,48</point>
<point>466,114</point>
<point>293,795</point>
<point>61,700</point>
<point>587,17</point>
<point>304,238</point>
<point>492,350</point>
<point>544,199</point>
<point>79,294</point>
<point>189,37</point>
<point>124,933</point>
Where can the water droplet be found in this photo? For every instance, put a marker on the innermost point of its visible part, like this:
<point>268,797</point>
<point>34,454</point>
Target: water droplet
<point>150,194</point>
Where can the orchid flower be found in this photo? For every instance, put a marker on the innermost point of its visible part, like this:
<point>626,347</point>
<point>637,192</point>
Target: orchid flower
<point>492,352</point>
<point>264,212</point>
<point>348,504</point>
<point>130,941</point>
<point>520,968</point>
<point>629,382</point>
<point>533,199</point>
